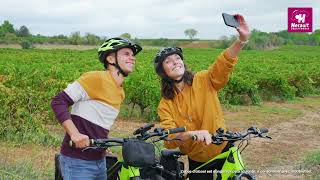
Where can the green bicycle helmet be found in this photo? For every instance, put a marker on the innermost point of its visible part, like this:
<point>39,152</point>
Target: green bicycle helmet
<point>112,45</point>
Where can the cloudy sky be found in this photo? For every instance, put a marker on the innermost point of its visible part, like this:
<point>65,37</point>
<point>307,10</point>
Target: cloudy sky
<point>148,18</point>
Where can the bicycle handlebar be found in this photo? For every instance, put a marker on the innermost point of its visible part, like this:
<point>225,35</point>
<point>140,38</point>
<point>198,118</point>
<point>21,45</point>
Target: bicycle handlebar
<point>264,130</point>
<point>99,142</point>
<point>176,130</point>
<point>163,133</point>
<point>237,136</point>
<point>144,135</point>
<point>220,136</point>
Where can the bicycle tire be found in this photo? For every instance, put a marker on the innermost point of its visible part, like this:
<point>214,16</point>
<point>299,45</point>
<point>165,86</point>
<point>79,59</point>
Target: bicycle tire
<point>113,174</point>
<point>158,177</point>
<point>244,175</point>
<point>57,171</point>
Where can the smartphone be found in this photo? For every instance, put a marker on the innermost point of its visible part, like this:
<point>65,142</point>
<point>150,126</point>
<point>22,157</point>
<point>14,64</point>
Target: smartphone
<point>230,20</point>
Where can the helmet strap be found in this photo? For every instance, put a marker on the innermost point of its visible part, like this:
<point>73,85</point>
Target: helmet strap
<point>173,81</point>
<point>116,65</point>
<point>179,80</point>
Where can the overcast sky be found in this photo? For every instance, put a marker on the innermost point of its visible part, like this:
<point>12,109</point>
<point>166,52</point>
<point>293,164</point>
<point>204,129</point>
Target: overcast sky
<point>149,18</point>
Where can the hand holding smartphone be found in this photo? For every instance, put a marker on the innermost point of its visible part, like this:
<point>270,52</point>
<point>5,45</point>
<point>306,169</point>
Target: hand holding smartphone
<point>230,20</point>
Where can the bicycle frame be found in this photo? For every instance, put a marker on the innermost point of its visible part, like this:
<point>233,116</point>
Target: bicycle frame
<point>125,172</point>
<point>233,163</point>
<point>128,173</point>
<point>233,166</point>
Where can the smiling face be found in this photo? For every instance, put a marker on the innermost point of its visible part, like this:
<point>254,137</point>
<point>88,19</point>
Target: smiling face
<point>126,60</point>
<point>173,66</point>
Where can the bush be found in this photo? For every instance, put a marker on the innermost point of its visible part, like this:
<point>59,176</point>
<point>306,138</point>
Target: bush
<point>303,83</point>
<point>241,90</point>
<point>25,44</point>
<point>274,86</point>
<point>22,119</point>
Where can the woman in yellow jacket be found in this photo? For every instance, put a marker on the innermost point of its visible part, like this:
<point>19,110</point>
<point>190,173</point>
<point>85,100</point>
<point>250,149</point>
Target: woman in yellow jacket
<point>191,100</point>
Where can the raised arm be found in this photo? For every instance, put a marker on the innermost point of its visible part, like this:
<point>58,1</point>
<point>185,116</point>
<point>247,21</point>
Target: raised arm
<point>244,34</point>
<point>220,70</point>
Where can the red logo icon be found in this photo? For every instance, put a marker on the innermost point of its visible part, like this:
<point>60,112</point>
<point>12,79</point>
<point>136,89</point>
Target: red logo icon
<point>299,19</point>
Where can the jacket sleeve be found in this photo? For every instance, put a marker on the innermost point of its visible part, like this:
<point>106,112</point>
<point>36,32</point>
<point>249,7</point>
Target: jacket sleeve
<point>167,122</point>
<point>220,70</point>
<point>61,102</point>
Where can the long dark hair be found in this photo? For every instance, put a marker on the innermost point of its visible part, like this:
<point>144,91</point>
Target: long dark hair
<point>168,87</point>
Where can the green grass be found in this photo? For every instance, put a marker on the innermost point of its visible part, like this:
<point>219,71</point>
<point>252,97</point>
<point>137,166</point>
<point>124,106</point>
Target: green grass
<point>264,112</point>
<point>306,101</point>
<point>313,158</point>
<point>312,162</point>
<point>22,171</point>
<point>279,110</point>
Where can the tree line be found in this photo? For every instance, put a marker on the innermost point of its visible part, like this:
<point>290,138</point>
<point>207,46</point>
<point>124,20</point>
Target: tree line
<point>263,40</point>
<point>258,40</point>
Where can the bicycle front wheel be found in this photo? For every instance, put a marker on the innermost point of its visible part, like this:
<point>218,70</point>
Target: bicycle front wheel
<point>245,176</point>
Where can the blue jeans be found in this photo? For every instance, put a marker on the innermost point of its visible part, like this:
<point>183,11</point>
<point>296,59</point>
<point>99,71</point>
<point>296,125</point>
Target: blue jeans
<point>74,169</point>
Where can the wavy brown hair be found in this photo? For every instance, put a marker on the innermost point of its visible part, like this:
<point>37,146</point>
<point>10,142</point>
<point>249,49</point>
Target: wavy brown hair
<point>167,84</point>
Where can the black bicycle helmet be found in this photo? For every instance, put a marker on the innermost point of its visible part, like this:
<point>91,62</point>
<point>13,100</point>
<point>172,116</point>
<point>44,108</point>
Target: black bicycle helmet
<point>162,55</point>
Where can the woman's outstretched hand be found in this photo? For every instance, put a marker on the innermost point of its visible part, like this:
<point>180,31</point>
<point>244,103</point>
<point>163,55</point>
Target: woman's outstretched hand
<point>243,29</point>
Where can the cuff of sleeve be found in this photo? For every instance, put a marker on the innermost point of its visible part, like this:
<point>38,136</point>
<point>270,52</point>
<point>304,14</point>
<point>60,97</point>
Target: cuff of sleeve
<point>63,117</point>
<point>228,58</point>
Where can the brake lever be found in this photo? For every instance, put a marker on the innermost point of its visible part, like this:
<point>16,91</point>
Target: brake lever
<point>217,140</point>
<point>87,148</point>
<point>264,136</point>
<point>268,137</point>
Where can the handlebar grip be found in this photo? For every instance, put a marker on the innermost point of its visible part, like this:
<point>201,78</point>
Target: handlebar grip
<point>263,130</point>
<point>176,130</point>
<point>72,144</point>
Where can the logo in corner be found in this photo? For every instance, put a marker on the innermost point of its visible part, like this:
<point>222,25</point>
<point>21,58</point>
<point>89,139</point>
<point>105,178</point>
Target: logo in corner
<point>299,19</point>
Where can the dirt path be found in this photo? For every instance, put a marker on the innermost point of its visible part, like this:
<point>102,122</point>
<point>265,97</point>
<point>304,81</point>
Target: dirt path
<point>291,140</point>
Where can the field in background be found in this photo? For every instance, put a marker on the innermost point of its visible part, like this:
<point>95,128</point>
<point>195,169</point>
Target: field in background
<point>30,78</point>
<point>269,83</point>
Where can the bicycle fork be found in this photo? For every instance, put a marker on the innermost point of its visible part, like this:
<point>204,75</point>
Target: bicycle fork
<point>233,164</point>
